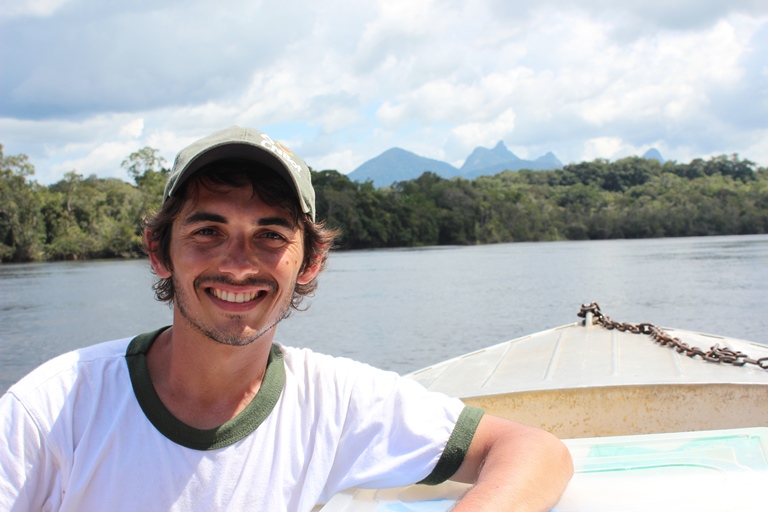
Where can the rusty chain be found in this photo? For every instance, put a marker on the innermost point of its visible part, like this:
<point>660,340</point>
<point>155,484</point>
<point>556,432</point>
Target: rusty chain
<point>716,353</point>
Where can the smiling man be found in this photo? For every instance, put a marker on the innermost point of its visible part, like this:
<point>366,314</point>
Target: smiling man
<point>212,413</point>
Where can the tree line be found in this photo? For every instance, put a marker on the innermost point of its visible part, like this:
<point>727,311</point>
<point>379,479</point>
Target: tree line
<point>88,217</point>
<point>78,217</point>
<point>629,198</point>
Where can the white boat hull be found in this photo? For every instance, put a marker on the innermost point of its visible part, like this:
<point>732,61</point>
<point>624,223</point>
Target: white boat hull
<point>625,410</point>
<point>576,381</point>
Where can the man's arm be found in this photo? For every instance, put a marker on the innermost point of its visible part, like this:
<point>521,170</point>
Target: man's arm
<point>513,467</point>
<point>28,470</point>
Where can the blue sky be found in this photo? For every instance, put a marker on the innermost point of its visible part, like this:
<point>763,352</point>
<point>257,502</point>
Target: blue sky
<point>84,82</point>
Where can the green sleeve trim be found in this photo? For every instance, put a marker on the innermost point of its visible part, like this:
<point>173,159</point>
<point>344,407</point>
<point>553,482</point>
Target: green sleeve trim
<point>180,433</point>
<point>457,447</point>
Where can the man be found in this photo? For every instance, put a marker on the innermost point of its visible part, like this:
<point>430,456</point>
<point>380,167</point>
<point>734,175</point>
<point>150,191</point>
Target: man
<point>211,413</point>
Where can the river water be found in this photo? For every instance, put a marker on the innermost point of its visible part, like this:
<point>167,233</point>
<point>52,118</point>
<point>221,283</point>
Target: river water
<point>408,308</point>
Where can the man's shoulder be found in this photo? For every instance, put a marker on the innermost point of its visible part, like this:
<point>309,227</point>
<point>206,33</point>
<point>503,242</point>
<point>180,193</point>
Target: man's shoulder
<point>327,375</point>
<point>305,359</point>
<point>63,371</point>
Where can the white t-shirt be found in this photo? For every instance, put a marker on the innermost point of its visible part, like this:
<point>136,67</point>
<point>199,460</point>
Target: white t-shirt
<point>86,431</point>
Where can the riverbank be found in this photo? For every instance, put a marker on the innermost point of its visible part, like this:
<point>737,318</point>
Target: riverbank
<point>634,198</point>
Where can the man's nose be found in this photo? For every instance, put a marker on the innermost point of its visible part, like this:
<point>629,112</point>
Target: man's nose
<point>240,259</point>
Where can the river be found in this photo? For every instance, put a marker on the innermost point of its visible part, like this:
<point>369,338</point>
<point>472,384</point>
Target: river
<point>407,308</point>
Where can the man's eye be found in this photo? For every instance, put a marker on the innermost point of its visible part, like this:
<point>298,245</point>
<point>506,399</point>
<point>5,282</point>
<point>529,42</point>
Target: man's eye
<point>206,232</point>
<point>273,236</point>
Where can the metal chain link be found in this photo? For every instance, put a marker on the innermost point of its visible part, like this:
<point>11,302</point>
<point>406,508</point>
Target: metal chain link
<point>716,353</point>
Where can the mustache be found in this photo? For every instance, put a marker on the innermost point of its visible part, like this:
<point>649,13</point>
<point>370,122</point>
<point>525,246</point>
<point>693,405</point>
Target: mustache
<point>251,281</point>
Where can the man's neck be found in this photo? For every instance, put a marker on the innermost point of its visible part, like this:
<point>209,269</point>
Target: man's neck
<point>202,382</point>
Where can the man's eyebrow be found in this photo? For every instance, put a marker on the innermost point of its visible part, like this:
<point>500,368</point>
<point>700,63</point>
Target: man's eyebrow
<point>276,221</point>
<point>220,219</point>
<point>204,217</point>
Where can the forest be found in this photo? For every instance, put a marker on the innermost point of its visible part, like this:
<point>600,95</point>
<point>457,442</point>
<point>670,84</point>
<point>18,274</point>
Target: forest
<point>89,217</point>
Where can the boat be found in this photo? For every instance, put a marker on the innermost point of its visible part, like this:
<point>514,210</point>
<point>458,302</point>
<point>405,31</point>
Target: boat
<point>640,407</point>
<point>586,380</point>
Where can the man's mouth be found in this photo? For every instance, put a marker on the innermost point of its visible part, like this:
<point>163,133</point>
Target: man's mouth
<point>236,297</point>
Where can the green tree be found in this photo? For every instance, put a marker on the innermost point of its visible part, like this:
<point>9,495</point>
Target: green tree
<point>148,171</point>
<point>140,162</point>
<point>20,231</point>
<point>91,218</point>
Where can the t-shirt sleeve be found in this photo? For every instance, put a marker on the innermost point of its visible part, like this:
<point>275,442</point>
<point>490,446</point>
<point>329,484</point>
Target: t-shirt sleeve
<point>28,475</point>
<point>457,447</point>
<point>394,432</point>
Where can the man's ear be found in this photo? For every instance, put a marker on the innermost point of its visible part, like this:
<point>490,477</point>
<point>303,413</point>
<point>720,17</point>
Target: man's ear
<point>310,272</point>
<point>160,269</point>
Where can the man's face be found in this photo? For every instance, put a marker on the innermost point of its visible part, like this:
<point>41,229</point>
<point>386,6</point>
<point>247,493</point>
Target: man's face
<point>236,262</point>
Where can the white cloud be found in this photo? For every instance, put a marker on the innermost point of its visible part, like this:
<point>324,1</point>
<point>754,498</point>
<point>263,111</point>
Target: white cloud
<point>471,135</point>
<point>437,77</point>
<point>345,159</point>
<point>107,156</point>
<point>21,8</point>
<point>756,148</point>
<point>133,129</point>
<point>602,147</point>
<point>391,114</point>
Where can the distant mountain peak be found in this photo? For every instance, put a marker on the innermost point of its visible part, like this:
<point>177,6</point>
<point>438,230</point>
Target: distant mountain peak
<point>653,154</point>
<point>483,157</point>
<point>550,160</point>
<point>397,164</point>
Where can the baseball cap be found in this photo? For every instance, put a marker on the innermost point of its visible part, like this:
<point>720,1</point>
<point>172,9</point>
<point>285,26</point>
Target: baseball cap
<point>245,144</point>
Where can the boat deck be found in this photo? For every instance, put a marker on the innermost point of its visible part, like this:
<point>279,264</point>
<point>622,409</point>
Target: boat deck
<point>578,381</point>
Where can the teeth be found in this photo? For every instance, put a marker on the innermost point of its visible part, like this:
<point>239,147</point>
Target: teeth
<point>234,297</point>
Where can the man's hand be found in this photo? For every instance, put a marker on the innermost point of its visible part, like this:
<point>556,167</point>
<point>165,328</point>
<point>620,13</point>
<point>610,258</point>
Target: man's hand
<point>513,467</point>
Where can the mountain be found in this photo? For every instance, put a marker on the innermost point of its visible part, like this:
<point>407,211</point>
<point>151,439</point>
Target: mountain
<point>485,162</point>
<point>548,162</point>
<point>483,158</point>
<point>400,165</point>
<point>653,154</point>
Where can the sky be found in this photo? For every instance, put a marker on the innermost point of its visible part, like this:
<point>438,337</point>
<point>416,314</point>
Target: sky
<point>84,83</point>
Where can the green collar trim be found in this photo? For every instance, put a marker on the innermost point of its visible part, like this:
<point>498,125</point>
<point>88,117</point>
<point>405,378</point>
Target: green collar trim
<point>180,433</point>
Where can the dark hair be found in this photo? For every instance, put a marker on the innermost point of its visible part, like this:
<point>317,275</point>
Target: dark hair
<point>269,186</point>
